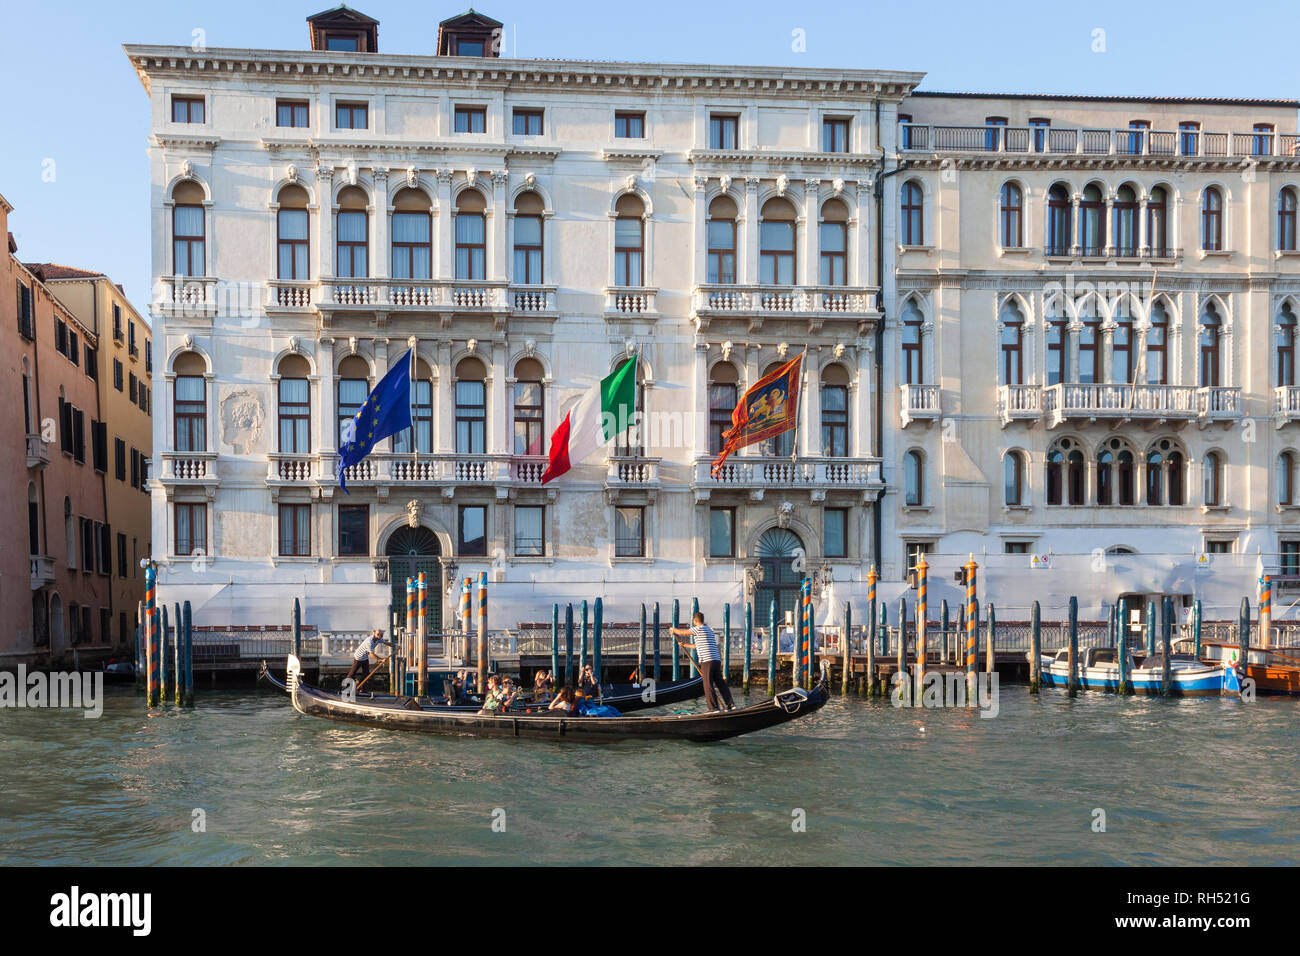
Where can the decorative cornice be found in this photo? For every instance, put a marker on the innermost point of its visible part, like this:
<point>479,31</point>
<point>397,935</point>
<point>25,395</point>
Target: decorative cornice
<point>169,141</point>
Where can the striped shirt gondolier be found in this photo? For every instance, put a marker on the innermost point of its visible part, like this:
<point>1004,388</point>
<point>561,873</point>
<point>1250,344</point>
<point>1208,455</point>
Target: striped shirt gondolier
<point>364,649</point>
<point>706,645</point>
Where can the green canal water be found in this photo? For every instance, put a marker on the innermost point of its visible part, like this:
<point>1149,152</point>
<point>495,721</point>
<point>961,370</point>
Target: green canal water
<point>1204,781</point>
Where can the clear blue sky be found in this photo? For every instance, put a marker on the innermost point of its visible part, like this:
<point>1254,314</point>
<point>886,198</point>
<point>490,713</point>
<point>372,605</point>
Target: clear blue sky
<point>70,96</point>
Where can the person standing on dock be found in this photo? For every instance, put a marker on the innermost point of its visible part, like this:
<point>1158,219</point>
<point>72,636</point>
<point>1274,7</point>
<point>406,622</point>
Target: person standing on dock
<point>361,656</point>
<point>705,646</point>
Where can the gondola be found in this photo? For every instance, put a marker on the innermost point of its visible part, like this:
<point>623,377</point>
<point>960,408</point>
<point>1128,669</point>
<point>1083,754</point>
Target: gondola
<point>625,698</point>
<point>405,713</point>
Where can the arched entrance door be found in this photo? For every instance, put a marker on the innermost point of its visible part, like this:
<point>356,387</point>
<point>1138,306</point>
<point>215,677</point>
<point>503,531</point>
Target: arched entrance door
<point>777,550</point>
<point>410,551</point>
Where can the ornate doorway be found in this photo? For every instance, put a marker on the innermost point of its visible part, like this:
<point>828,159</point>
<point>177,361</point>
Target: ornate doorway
<point>410,551</point>
<point>777,550</point>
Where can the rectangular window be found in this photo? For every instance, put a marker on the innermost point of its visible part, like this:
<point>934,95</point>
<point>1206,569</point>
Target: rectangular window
<point>629,532</point>
<point>834,253</point>
<point>421,417</point>
<point>1219,547</point>
<point>470,119</point>
<point>295,531</point>
<point>292,243</point>
<point>26,323</point>
<point>291,113</point>
<point>835,135</point>
<point>471,417</point>
<point>135,468</point>
<point>914,551</point>
<point>530,534</point>
<point>1040,130</point>
<point>472,530</point>
<point>1262,141</point>
<point>60,337</point>
<point>528,250</point>
<point>191,413</point>
<point>776,252</point>
<point>295,412</point>
<point>412,245</point>
<point>1291,557</point>
<point>469,47</point>
<point>79,435</point>
<point>628,251</point>
<point>119,454</point>
<point>187,109</point>
<point>1188,138</point>
<point>835,532</point>
<point>471,246</point>
<point>132,392</point>
<point>1015,547</point>
<point>629,126</point>
<point>121,555</point>
<point>92,362</point>
<point>130,330</point>
<point>722,532</point>
<point>723,129</point>
<point>74,348</point>
<point>528,419</point>
<point>99,445</point>
<point>527,122</point>
<point>354,530</point>
<point>722,251</point>
<point>351,115</point>
<point>117,374</point>
<point>342,43</point>
<point>191,528</point>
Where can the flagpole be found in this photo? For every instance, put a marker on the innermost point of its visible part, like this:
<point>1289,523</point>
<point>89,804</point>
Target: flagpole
<point>798,420</point>
<point>410,392</point>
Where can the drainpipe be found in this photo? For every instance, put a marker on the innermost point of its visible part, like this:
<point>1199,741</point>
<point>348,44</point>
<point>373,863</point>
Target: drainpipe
<point>878,193</point>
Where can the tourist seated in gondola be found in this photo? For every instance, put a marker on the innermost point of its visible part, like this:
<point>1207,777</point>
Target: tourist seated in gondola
<point>566,701</point>
<point>492,699</point>
<point>587,682</point>
<point>458,693</point>
<point>543,686</point>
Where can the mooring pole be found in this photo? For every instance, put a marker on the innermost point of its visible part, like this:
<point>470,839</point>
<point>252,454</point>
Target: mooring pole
<point>598,627</point>
<point>165,640</point>
<point>870,634</point>
<point>1196,628</point>
<point>555,638</point>
<point>844,647</point>
<point>1151,627</point>
<point>1122,645</point>
<point>749,641</point>
<point>152,664</point>
<point>872,578</point>
<point>1111,618</point>
<point>297,629</point>
<point>1166,639</point>
<point>408,643</point>
<point>1035,648</point>
<point>189,655</point>
<point>801,635</point>
<point>902,652</point>
<point>773,644</point>
<point>466,618</point>
<point>726,642</point>
<point>1265,610</point>
<point>922,624</point>
<point>691,656</point>
<point>810,672</point>
<point>178,657</point>
<point>657,668</point>
<point>568,644</point>
<point>482,635</point>
<point>1243,633</point>
<point>422,638</point>
<point>677,611</point>
<point>884,640</point>
<point>972,636</point>
<point>989,649</point>
<point>944,623</point>
<point>1073,681</point>
<point>582,643</point>
<point>640,656</point>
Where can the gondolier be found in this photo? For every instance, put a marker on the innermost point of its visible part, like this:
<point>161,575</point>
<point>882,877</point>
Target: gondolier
<point>705,646</point>
<point>361,656</point>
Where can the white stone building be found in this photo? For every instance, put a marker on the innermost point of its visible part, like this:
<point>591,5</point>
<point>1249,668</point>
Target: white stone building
<point>526,224</point>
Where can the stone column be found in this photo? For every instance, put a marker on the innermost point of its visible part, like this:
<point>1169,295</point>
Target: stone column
<point>325,263</point>
<point>445,402</point>
<point>446,228</point>
<point>497,406</point>
<point>379,257</point>
<point>496,219</point>
<point>700,208</point>
<point>749,235</point>
<point>700,404</point>
<point>811,270</point>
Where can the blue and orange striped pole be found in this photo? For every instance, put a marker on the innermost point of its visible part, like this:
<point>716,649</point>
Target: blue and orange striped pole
<point>153,664</point>
<point>1265,610</point>
<point>422,636</point>
<point>922,612</point>
<point>801,635</point>
<point>482,632</point>
<point>772,645</point>
<point>810,672</point>
<point>465,588</point>
<point>872,577</point>
<point>972,622</point>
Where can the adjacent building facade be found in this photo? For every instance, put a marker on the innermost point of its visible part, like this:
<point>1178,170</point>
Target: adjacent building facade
<point>526,225</point>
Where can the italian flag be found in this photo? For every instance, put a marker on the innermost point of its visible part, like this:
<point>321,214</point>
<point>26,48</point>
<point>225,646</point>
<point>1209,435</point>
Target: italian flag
<point>603,412</point>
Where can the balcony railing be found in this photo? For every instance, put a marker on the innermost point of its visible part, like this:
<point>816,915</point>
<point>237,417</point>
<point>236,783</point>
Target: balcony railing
<point>1019,402</point>
<point>1286,404</point>
<point>179,467</point>
<point>42,567</point>
<point>289,294</point>
<point>38,453</point>
<point>630,300</point>
<point>187,296</point>
<point>1216,403</point>
<point>446,470</point>
<point>291,469</point>
<point>918,403</point>
<point>532,298</point>
<point>918,137</point>
<point>817,474</point>
<point>760,301</point>
<point>1065,401</point>
<point>631,471</point>
<point>414,294</point>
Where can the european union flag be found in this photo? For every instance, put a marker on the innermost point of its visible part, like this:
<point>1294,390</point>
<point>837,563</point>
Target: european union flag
<point>387,410</point>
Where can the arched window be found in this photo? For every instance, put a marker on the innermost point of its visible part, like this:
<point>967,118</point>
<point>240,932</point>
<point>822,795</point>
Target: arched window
<point>191,411</point>
<point>1286,206</point>
<point>1092,221</point>
<point>1011,219</point>
<point>1158,346</point>
<point>1121,344</point>
<point>1059,224</point>
<point>913,364</point>
<point>291,224</point>
<point>529,257</point>
<point>776,243</point>
<point>1212,220</point>
<point>912,224</point>
<point>353,387</point>
<point>1065,473</point>
<point>353,248</point>
<point>834,242</point>
<point>294,411</point>
<point>913,479</point>
<point>1286,478</point>
<point>1013,478</point>
<point>1157,222</point>
<point>722,241</point>
<point>471,407</point>
<point>421,413</point>
<point>471,235</point>
<point>835,411</point>
<point>412,235</point>
<point>1213,479</point>
<point>1286,326</point>
<point>1013,324</point>
<point>1116,473</point>
<point>529,435</point>
<point>1089,370</point>
<point>1057,324</point>
<point>629,241</point>
<point>1124,214</point>
<point>723,396</point>
<point>1211,330</point>
<point>188,230</point>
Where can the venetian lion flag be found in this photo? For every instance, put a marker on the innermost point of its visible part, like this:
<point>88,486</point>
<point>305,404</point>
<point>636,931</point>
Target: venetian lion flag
<point>604,412</point>
<point>769,407</point>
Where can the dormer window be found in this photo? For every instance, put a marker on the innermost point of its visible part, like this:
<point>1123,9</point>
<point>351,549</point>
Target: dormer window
<point>468,47</point>
<point>470,34</point>
<point>342,30</point>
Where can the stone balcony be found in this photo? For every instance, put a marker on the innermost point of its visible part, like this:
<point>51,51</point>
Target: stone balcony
<point>1156,403</point>
<point>448,472</point>
<point>1129,143</point>
<point>189,468</point>
<point>754,304</point>
<point>193,297</point>
<point>817,475</point>
<point>631,302</point>
<point>1019,403</point>
<point>1286,404</point>
<point>38,452</point>
<point>918,403</point>
<point>42,570</point>
<point>409,295</point>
